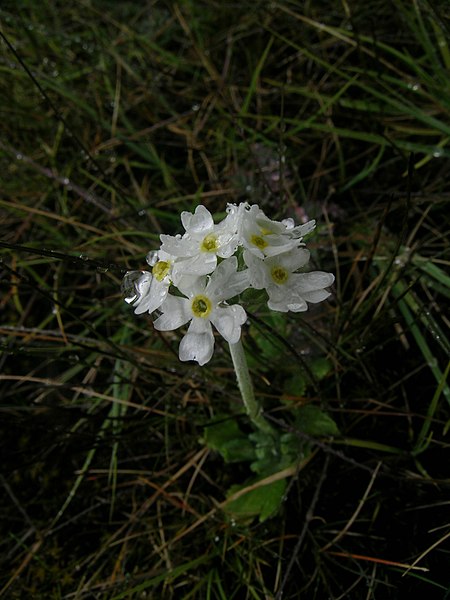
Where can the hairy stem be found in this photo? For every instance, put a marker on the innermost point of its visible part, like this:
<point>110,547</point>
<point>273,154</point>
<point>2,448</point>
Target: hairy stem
<point>252,406</point>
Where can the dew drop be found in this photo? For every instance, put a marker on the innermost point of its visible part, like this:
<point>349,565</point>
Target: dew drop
<point>134,285</point>
<point>437,153</point>
<point>65,181</point>
<point>19,156</point>
<point>196,107</point>
<point>141,213</point>
<point>152,258</point>
<point>84,257</point>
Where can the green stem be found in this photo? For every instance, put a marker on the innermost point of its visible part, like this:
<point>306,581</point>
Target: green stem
<point>252,406</point>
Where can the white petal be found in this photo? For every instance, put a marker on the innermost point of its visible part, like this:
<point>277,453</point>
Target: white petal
<point>155,296</point>
<point>197,345</point>
<point>228,249</point>
<point>218,282</point>
<point>199,222</point>
<point>228,322</point>
<point>315,280</point>
<point>176,312</point>
<point>302,230</point>
<point>199,265</point>
<point>280,244</point>
<point>269,225</point>
<point>190,285</point>
<point>284,298</point>
<point>236,284</point>
<point>278,306</point>
<point>298,306</point>
<point>316,296</point>
<point>293,260</point>
<point>257,270</point>
<point>176,246</point>
<point>186,219</point>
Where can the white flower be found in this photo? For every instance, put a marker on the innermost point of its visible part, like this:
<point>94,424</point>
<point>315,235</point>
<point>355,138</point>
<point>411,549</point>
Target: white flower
<point>263,237</point>
<point>204,306</point>
<point>288,290</point>
<point>197,250</point>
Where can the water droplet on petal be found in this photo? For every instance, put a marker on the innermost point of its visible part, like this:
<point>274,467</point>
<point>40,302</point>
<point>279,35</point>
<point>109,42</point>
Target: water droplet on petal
<point>131,285</point>
<point>152,258</point>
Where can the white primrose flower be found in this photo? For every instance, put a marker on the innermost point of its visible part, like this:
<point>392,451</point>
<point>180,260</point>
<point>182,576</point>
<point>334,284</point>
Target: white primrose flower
<point>288,290</point>
<point>197,250</point>
<point>203,306</point>
<point>264,237</point>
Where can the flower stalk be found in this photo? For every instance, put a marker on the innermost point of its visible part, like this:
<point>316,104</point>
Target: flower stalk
<point>252,406</point>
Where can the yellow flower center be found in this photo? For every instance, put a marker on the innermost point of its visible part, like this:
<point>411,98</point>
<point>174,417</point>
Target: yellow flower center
<point>209,243</point>
<point>201,306</point>
<point>259,242</point>
<point>279,274</point>
<point>161,269</point>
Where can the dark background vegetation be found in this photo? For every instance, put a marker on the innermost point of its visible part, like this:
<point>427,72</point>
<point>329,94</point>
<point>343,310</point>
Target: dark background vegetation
<point>115,117</point>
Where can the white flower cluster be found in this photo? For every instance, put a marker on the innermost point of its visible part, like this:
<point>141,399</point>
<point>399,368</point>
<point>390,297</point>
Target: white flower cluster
<point>203,266</point>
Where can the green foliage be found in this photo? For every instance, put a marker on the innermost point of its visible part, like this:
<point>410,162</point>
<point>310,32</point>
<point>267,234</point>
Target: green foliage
<point>268,456</point>
<point>262,502</point>
<point>227,438</point>
<point>312,420</point>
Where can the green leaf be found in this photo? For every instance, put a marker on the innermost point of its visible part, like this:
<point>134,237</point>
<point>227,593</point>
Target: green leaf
<point>313,420</point>
<point>226,438</point>
<point>262,502</point>
<point>294,386</point>
<point>321,367</point>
